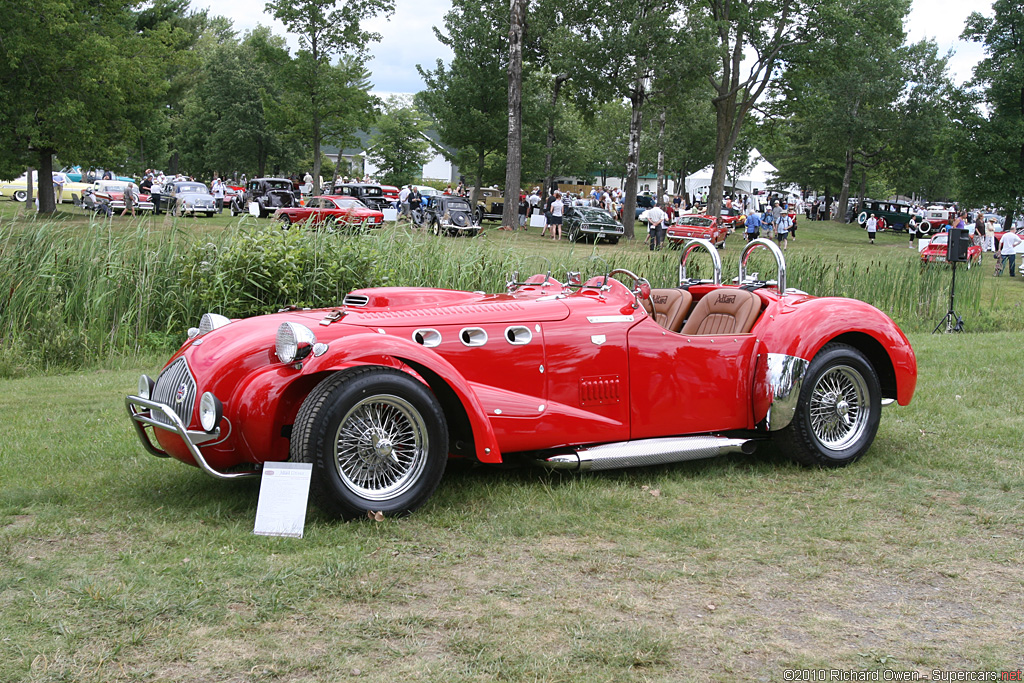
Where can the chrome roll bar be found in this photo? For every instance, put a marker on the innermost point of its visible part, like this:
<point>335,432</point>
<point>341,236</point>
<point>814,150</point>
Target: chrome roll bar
<point>780,261</point>
<point>716,260</point>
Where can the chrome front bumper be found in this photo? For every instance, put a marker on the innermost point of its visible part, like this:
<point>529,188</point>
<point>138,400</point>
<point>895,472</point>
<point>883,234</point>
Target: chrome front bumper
<point>140,411</point>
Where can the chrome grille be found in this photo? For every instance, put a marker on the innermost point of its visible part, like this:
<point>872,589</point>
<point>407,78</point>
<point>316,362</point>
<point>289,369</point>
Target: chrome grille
<point>175,377</point>
<point>356,300</point>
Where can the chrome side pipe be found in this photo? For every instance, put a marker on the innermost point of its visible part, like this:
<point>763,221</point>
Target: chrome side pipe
<point>646,452</point>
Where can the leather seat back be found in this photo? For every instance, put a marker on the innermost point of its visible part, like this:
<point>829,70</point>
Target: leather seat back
<point>670,307</point>
<point>724,311</point>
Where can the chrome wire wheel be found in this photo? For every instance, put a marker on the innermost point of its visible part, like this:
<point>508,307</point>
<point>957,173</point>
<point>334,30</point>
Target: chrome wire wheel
<point>839,407</point>
<point>381,447</point>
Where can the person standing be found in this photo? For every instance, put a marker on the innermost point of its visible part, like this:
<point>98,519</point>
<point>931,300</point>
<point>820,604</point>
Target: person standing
<point>990,235</point>
<point>129,199</point>
<point>782,226</point>
<point>912,230</point>
<point>217,190</point>
<point>557,208</point>
<point>403,199</point>
<point>415,201</point>
<point>753,228</point>
<point>656,226</point>
<point>1008,250</point>
<point>524,211</point>
<point>872,227</point>
<point>156,192</point>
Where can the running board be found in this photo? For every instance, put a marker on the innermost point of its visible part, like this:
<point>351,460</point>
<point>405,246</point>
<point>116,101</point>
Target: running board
<point>646,452</point>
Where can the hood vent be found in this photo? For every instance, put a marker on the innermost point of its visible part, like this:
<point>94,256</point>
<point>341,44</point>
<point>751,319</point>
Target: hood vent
<point>356,300</point>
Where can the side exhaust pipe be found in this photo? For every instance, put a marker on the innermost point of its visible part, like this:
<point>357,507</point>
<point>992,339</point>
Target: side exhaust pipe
<point>646,452</point>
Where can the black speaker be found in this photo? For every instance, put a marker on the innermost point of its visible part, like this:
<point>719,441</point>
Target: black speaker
<point>959,242</point>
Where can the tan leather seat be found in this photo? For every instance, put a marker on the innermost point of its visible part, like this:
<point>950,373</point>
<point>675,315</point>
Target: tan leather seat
<point>669,307</point>
<point>724,311</point>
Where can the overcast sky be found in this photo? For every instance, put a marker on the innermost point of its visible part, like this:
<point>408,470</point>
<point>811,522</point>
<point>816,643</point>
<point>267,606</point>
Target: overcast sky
<point>408,37</point>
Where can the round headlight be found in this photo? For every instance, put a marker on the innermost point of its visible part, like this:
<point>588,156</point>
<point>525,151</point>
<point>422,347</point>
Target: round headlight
<point>210,411</point>
<point>211,321</point>
<point>293,342</point>
<point>145,387</point>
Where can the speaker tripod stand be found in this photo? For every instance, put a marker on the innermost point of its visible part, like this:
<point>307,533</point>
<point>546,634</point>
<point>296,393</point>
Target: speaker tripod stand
<point>952,321</point>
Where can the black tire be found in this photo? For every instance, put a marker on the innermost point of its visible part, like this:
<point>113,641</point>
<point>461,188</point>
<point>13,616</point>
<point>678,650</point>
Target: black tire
<point>209,214</point>
<point>20,195</point>
<point>393,432</point>
<point>480,216</point>
<point>615,240</point>
<point>435,227</point>
<point>286,224</point>
<point>839,383</point>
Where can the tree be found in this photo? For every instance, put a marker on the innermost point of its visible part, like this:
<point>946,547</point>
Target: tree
<point>399,147</point>
<point>463,98</point>
<point>762,27</point>
<point>68,85</point>
<point>514,155</point>
<point>990,150</point>
<point>327,91</point>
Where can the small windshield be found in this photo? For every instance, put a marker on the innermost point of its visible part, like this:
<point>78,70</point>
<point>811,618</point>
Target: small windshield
<point>695,221</point>
<point>458,206</point>
<point>278,185</point>
<point>594,215</point>
<point>347,203</point>
<point>191,187</point>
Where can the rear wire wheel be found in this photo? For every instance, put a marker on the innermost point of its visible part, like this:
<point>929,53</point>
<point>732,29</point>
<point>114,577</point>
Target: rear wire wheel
<point>838,410</point>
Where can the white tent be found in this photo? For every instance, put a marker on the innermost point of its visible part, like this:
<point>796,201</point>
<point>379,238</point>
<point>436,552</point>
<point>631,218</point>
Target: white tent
<point>759,177</point>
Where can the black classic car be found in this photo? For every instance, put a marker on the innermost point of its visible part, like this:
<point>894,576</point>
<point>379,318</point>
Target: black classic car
<point>263,196</point>
<point>449,215</point>
<point>590,223</point>
<point>368,193</point>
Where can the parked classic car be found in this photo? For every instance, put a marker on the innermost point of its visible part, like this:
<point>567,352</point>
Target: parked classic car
<point>263,196</point>
<point>449,215</point>
<point>189,197</point>
<point>89,176</point>
<point>590,223</point>
<point>330,211</point>
<point>939,244</point>
<point>892,215</point>
<point>112,192</point>
<point>368,193</point>
<point>697,226</point>
<point>490,204</point>
<point>17,189</point>
<point>378,392</point>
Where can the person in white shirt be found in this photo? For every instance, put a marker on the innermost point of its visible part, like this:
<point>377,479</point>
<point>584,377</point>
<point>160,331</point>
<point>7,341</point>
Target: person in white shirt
<point>403,199</point>
<point>557,209</point>
<point>1008,250</point>
<point>217,190</point>
<point>656,226</point>
<point>872,226</point>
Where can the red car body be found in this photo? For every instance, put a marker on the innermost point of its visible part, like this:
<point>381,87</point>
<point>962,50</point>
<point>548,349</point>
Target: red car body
<point>390,192</point>
<point>697,226</point>
<point>938,245</point>
<point>583,375</point>
<point>331,210</point>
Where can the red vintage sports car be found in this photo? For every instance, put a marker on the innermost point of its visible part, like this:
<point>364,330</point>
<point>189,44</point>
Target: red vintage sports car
<point>379,392</point>
<point>938,245</point>
<point>331,211</point>
<point>697,226</point>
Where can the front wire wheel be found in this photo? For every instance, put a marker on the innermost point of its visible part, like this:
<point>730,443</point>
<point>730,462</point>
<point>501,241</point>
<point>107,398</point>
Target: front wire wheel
<point>377,439</point>
<point>838,410</point>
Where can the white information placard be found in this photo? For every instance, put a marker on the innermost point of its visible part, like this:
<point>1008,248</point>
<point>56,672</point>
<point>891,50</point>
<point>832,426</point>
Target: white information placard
<point>921,244</point>
<point>390,214</point>
<point>538,221</point>
<point>284,492</point>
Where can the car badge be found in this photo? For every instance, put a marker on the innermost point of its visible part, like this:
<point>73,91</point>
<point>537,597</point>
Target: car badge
<point>179,395</point>
<point>598,339</point>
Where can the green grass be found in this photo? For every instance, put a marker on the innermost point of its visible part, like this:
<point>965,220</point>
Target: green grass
<point>117,566</point>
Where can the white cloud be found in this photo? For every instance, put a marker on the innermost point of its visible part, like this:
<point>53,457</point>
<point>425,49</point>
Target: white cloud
<point>943,21</point>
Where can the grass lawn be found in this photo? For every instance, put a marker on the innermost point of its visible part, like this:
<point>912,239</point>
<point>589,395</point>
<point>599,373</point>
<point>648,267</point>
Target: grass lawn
<point>117,566</point>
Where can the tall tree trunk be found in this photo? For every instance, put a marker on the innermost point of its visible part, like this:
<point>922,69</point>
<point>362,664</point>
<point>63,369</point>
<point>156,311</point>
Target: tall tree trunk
<point>844,191</point>
<point>633,157</point>
<point>661,157</point>
<point>860,196</point>
<point>514,158</point>
<point>550,145</point>
<point>47,204</point>
<point>315,51</point>
<point>30,190</point>
<point>726,133</point>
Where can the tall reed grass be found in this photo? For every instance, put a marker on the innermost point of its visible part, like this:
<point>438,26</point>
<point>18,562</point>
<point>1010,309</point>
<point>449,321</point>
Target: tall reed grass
<point>71,296</point>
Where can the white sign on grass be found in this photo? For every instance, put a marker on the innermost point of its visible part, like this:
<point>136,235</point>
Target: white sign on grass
<point>284,492</point>
<point>390,214</point>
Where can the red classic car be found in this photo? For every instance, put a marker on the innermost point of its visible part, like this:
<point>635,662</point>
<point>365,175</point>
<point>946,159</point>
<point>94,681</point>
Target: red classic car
<point>697,226</point>
<point>331,211</point>
<point>112,192</point>
<point>937,246</point>
<point>379,392</point>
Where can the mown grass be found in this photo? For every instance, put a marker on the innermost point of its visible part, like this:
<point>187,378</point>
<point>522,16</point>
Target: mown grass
<point>76,292</point>
<point>117,566</point>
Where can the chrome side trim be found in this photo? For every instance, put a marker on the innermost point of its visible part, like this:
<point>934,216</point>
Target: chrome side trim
<point>785,380</point>
<point>646,452</point>
<point>780,261</point>
<point>136,406</point>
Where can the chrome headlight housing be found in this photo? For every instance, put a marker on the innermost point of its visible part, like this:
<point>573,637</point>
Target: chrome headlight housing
<point>293,342</point>
<point>211,321</point>
<point>210,412</point>
<point>145,387</point>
